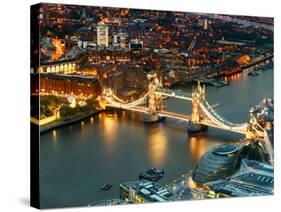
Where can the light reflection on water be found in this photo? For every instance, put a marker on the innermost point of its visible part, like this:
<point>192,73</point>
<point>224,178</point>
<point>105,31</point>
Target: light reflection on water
<point>157,148</point>
<point>54,135</point>
<point>92,120</point>
<point>54,140</point>
<point>109,126</point>
<point>197,146</point>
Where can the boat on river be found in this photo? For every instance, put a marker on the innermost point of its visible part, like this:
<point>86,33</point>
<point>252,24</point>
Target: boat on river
<point>152,174</point>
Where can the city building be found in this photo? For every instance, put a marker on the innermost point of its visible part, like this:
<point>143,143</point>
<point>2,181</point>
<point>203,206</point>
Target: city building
<point>217,163</point>
<point>82,44</point>
<point>65,66</point>
<point>102,35</point>
<point>109,56</point>
<point>252,179</point>
<point>76,85</point>
<point>205,24</point>
<point>115,40</point>
<point>225,188</point>
<point>136,45</point>
<point>145,191</point>
<point>256,174</point>
<point>121,40</point>
<point>108,202</point>
<point>85,33</point>
<point>124,40</point>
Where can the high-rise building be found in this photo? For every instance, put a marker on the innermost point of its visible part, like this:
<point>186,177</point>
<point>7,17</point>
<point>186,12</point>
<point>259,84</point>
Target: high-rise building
<point>136,45</point>
<point>124,40</point>
<point>205,25</point>
<point>102,35</point>
<point>83,15</point>
<point>121,40</point>
<point>115,40</point>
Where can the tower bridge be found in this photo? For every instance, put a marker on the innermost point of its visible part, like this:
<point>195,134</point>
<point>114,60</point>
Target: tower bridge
<point>202,114</point>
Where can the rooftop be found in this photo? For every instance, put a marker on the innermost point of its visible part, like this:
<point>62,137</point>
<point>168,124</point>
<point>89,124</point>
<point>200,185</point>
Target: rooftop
<point>252,179</point>
<point>108,202</point>
<point>151,191</point>
<point>68,76</point>
<point>256,174</point>
<point>225,149</point>
<point>236,189</point>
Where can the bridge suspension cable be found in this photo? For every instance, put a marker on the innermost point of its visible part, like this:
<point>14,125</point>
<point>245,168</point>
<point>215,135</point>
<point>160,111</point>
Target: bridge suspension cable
<point>219,117</point>
<point>222,123</point>
<point>124,104</point>
<point>175,94</point>
<point>118,99</point>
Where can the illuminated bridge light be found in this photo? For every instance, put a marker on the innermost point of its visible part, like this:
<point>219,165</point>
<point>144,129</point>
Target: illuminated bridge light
<point>211,117</point>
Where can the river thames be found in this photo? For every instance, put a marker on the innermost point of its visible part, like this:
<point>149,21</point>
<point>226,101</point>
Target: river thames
<point>115,146</point>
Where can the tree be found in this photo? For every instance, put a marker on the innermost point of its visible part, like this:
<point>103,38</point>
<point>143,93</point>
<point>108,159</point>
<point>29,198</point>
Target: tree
<point>67,112</point>
<point>48,105</point>
<point>84,60</point>
<point>91,103</point>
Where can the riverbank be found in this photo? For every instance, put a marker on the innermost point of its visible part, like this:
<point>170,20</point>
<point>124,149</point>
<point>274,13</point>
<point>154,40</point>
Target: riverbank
<point>62,123</point>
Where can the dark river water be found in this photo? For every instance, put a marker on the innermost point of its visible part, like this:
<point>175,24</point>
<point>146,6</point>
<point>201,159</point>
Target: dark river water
<point>115,146</point>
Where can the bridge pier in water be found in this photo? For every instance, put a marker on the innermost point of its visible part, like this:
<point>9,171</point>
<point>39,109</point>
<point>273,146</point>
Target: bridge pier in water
<point>151,118</point>
<point>195,128</point>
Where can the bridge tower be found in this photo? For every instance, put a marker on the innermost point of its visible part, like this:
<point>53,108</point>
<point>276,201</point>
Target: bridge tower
<point>155,100</point>
<point>107,92</point>
<point>198,97</point>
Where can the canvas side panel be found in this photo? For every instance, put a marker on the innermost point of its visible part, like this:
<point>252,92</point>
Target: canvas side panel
<point>34,107</point>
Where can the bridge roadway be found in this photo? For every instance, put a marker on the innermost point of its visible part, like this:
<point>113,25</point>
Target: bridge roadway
<point>145,110</point>
<point>135,109</point>
<point>177,116</point>
<point>175,94</point>
<point>209,123</point>
<point>173,115</point>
